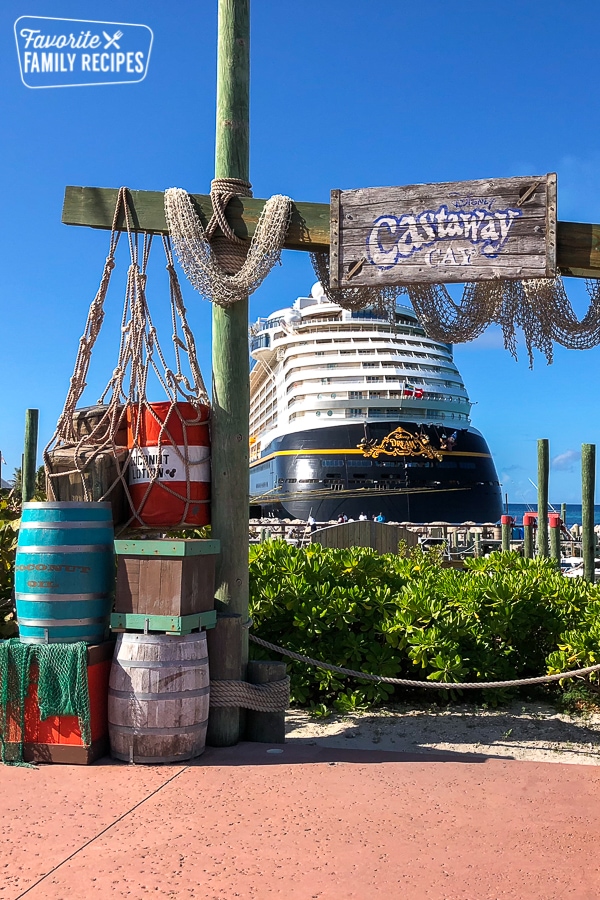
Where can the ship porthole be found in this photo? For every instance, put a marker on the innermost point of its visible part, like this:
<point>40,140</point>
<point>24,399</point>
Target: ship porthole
<point>329,413</point>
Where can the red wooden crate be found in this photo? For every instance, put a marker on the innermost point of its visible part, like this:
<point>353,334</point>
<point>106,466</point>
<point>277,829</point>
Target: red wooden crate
<point>58,738</point>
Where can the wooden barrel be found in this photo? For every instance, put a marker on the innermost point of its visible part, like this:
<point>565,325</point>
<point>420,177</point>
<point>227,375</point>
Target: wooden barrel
<point>65,572</point>
<point>95,423</point>
<point>91,469</point>
<point>158,697</point>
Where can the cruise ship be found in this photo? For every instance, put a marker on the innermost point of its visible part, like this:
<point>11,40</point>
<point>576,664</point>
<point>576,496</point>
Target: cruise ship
<point>361,414</point>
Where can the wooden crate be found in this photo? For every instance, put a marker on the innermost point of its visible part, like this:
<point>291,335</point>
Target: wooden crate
<point>58,738</point>
<point>165,577</point>
<point>99,472</point>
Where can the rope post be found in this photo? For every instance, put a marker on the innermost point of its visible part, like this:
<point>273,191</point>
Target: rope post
<point>543,470</point>
<point>588,485</point>
<point>555,526</point>
<point>265,727</point>
<point>528,526</point>
<point>507,523</point>
<point>30,454</point>
<point>231,380</point>
<point>225,664</point>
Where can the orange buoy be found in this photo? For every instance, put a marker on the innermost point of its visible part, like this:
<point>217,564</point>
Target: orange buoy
<point>165,440</point>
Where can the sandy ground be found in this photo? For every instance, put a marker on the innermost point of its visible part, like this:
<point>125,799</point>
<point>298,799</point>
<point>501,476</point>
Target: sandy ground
<point>523,730</point>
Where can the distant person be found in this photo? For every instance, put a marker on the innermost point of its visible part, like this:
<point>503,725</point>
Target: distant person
<point>311,522</point>
<point>380,518</point>
<point>341,519</point>
<point>362,518</point>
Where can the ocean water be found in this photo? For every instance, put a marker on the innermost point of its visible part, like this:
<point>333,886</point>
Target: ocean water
<point>573,512</point>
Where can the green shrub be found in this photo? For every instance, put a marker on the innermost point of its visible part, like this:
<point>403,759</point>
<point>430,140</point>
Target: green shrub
<point>405,616</point>
<point>10,513</point>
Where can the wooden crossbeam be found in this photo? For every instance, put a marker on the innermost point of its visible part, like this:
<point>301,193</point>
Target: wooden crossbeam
<point>578,244</point>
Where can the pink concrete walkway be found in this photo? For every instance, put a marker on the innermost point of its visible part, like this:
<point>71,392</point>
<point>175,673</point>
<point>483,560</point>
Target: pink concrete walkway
<point>302,824</point>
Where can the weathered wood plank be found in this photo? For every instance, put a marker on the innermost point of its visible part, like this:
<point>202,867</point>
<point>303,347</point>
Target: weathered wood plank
<point>94,208</point>
<point>444,232</point>
<point>577,243</point>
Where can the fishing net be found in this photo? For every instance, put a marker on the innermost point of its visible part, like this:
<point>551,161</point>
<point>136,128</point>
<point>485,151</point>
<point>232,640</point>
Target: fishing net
<point>62,689</point>
<point>538,306</point>
<point>381,300</point>
<point>92,457</point>
<point>223,267</point>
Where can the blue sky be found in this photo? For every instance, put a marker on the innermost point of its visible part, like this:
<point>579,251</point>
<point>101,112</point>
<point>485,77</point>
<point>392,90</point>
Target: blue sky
<point>343,95</point>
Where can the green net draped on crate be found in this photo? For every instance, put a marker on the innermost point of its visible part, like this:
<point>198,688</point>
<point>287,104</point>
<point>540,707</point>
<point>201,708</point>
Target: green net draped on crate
<point>62,685</point>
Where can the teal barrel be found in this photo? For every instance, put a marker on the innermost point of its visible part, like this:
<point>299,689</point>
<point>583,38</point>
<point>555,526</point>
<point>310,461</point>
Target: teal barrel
<point>65,572</point>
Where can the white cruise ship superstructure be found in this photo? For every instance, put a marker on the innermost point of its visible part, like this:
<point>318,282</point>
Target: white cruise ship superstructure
<point>358,413</point>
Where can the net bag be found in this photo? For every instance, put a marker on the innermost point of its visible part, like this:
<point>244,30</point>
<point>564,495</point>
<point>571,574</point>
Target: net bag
<point>149,458</point>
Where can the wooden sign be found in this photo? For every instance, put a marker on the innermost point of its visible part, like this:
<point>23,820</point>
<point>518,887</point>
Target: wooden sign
<point>434,233</point>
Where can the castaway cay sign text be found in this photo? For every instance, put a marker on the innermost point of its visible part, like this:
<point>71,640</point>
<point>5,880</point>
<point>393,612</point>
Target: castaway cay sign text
<point>78,52</point>
<point>433,233</point>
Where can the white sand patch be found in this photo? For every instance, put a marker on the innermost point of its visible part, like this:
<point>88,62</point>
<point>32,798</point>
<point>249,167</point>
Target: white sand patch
<point>523,730</point>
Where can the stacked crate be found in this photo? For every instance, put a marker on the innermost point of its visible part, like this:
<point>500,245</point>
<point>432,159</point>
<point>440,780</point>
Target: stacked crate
<point>158,698</point>
<point>165,586</point>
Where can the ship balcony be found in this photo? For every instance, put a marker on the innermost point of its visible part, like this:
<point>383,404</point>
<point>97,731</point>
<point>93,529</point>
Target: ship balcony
<point>261,349</point>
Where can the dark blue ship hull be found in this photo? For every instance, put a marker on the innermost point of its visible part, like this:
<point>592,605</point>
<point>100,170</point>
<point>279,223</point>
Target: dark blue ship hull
<point>326,472</point>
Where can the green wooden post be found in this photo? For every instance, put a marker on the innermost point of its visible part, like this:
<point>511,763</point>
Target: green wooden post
<point>563,513</point>
<point>528,536</point>
<point>30,455</point>
<point>588,486</point>
<point>555,537</point>
<point>231,382</point>
<point>507,523</point>
<point>543,469</point>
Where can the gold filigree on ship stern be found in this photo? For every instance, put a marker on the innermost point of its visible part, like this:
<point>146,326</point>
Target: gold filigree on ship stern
<point>400,443</point>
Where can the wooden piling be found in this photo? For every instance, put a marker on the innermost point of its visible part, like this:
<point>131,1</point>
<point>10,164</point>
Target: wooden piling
<point>225,662</point>
<point>528,526</point>
<point>588,485</point>
<point>28,471</point>
<point>507,523</point>
<point>555,523</point>
<point>265,727</point>
<point>543,470</point>
<point>231,384</point>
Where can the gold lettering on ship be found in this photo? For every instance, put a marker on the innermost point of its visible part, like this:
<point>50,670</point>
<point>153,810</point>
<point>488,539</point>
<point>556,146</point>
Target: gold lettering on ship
<point>401,443</point>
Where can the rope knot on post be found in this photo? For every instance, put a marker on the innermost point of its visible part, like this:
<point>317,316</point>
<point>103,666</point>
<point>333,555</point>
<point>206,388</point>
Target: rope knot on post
<point>222,266</point>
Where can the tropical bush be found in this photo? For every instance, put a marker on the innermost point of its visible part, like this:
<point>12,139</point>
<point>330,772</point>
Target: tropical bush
<point>10,514</point>
<point>405,616</point>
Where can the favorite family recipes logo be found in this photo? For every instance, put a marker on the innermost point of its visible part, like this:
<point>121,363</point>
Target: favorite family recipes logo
<point>77,52</point>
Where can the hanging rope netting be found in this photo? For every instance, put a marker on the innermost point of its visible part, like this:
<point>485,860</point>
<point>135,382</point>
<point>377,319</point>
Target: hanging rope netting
<point>539,307</point>
<point>223,267</point>
<point>220,265</point>
<point>127,449</point>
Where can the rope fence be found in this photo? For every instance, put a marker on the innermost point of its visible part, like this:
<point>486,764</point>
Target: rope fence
<point>436,685</point>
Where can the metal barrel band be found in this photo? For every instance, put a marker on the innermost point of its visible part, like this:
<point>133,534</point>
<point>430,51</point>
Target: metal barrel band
<point>436,685</point>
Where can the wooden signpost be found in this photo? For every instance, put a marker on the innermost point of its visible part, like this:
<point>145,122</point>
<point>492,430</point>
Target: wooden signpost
<point>434,233</point>
<point>577,249</point>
